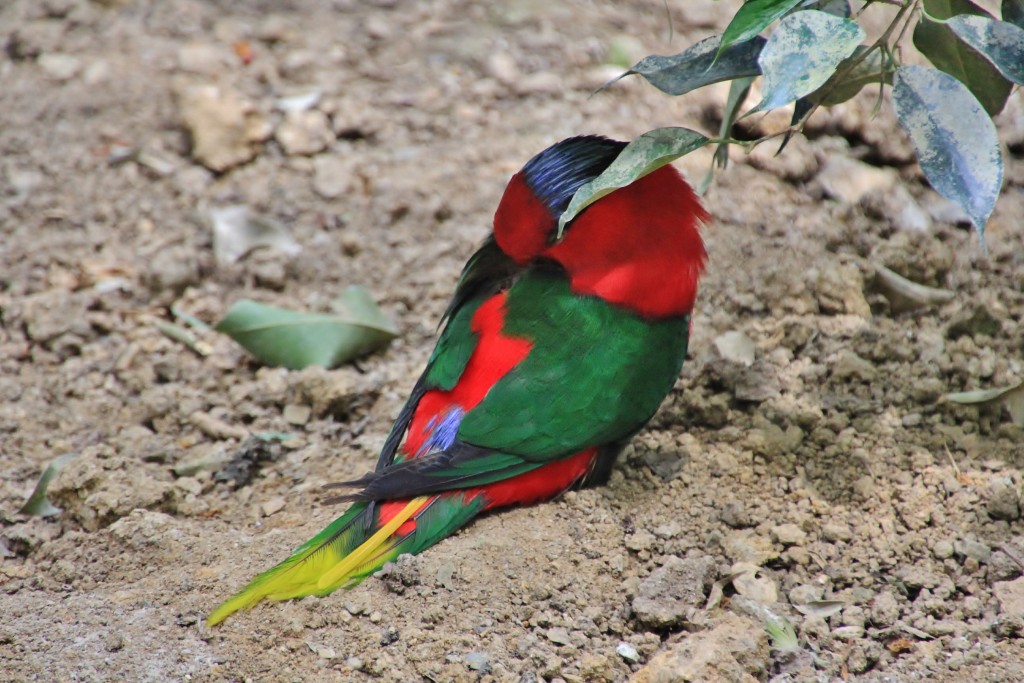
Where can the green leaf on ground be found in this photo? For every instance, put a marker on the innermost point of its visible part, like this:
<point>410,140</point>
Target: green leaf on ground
<point>752,18</point>
<point>296,340</point>
<point>38,504</point>
<point>955,140</point>
<point>647,153</point>
<point>1000,42</point>
<point>802,54</point>
<point>937,41</point>
<point>700,65</point>
<point>1012,397</point>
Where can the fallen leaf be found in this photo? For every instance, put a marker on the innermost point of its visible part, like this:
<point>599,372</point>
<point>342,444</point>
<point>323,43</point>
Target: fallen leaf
<point>38,504</point>
<point>820,608</point>
<point>1012,397</point>
<point>236,232</point>
<point>297,340</point>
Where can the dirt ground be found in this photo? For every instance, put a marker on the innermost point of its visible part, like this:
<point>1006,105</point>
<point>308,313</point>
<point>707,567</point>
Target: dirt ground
<point>807,450</point>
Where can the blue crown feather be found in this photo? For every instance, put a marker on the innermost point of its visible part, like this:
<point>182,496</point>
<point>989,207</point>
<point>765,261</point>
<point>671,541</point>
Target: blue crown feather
<point>555,174</point>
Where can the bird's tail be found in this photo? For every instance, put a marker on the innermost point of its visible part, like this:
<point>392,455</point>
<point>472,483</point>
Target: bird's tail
<point>356,545</point>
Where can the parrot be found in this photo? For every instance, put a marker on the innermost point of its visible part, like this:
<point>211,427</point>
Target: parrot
<point>553,352</point>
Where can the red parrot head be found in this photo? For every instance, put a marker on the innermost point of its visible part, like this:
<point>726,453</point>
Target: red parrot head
<point>638,247</point>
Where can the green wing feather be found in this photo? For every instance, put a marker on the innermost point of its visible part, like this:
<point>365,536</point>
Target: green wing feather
<point>596,373</point>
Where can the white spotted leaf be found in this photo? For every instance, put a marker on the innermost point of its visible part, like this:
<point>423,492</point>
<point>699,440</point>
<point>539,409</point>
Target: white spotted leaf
<point>802,54</point>
<point>647,153</point>
<point>954,138</point>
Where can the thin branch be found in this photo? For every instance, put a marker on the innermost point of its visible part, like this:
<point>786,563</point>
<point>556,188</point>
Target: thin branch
<point>881,43</point>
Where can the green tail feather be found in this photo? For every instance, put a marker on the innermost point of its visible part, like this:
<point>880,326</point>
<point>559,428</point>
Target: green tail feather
<point>350,549</point>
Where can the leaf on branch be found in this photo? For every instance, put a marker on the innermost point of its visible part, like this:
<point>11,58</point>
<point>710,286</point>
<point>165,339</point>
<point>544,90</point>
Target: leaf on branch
<point>955,140</point>
<point>840,8</point>
<point>296,340</point>
<point>1013,12</point>
<point>1000,42</point>
<point>752,18</point>
<point>647,153</point>
<point>802,54</point>
<point>873,69</point>
<point>700,65</point>
<point>937,41</point>
<point>738,91</point>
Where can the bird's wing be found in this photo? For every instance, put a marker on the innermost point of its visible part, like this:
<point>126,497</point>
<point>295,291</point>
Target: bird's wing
<point>593,375</point>
<point>488,271</point>
<point>596,373</point>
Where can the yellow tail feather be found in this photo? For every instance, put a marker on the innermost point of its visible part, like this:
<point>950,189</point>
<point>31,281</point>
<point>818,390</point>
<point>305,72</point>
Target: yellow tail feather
<point>320,572</point>
<point>342,571</point>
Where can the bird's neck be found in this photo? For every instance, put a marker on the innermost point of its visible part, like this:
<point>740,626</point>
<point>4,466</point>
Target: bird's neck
<point>639,247</point>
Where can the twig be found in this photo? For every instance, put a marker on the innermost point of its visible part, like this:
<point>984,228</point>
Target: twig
<point>956,469</point>
<point>879,44</point>
<point>1005,548</point>
<point>180,334</point>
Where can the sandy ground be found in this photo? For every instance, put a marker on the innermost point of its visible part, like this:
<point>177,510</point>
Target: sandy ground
<point>821,463</point>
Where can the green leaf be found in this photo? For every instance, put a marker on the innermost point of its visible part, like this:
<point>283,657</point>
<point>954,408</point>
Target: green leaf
<point>802,54</point>
<point>1000,42</point>
<point>873,69</point>
<point>38,504</point>
<point>1012,397</point>
<point>842,85</point>
<point>296,340</point>
<point>738,91</point>
<point>840,8</point>
<point>699,65</point>
<point>955,140</point>
<point>647,153</point>
<point>752,18</point>
<point>1013,12</point>
<point>947,52</point>
<point>783,635</point>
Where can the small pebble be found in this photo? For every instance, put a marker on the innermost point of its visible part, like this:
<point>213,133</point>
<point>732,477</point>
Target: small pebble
<point>1003,502</point>
<point>478,661</point>
<point>272,506</point>
<point>735,516</point>
<point>848,632</point>
<point>297,414</point>
<point>627,652</point>
<point>836,532</point>
<point>389,636</point>
<point>114,642</point>
<point>884,609</point>
<point>558,635</point>
<point>942,550</point>
<point>803,594</point>
<point>789,534</point>
<point>973,550</point>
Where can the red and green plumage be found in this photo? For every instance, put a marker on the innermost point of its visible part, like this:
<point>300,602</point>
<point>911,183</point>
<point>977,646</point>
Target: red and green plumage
<point>552,356</point>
